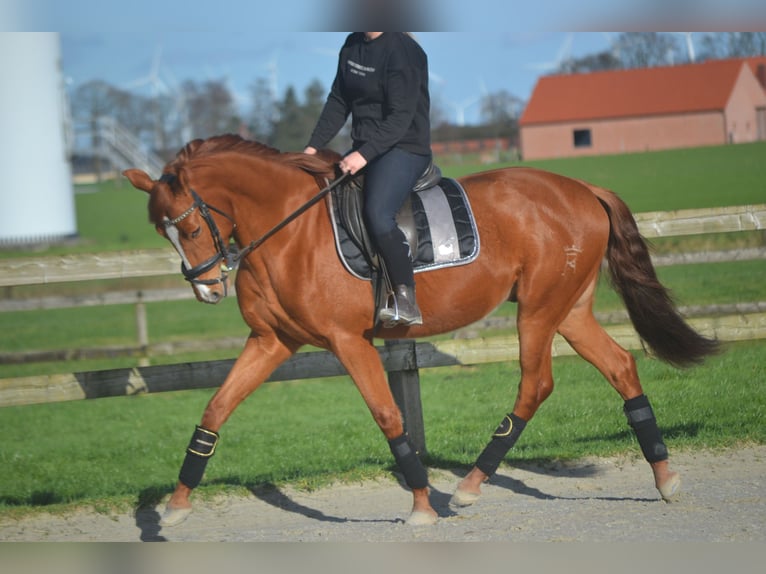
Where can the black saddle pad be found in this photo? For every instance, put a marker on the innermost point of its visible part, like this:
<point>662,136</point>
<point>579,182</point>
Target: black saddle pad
<point>442,220</point>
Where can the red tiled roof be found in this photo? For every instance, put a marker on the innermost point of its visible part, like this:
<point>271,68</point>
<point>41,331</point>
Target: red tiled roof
<point>636,92</point>
<point>755,62</point>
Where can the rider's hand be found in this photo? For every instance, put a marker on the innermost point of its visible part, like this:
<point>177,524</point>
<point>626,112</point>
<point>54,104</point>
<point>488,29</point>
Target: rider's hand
<point>352,163</point>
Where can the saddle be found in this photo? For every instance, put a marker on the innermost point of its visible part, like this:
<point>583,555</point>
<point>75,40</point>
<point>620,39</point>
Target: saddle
<point>436,220</point>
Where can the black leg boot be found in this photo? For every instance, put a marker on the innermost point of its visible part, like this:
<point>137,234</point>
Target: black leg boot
<point>404,309</point>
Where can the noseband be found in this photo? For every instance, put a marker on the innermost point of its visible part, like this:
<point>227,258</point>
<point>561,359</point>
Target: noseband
<point>222,251</point>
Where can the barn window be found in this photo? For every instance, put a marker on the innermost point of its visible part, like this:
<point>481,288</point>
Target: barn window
<point>582,138</point>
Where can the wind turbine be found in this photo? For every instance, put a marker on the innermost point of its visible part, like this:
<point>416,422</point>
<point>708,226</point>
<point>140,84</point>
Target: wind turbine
<point>689,46</point>
<point>157,88</point>
<point>461,106</point>
<point>264,97</point>
<point>180,107</point>
<point>435,78</point>
<point>153,79</point>
<point>272,65</point>
<point>563,55</point>
<point>614,45</point>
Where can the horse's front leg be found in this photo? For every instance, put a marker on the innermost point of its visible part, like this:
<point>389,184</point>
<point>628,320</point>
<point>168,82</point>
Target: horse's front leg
<point>361,360</point>
<point>260,356</point>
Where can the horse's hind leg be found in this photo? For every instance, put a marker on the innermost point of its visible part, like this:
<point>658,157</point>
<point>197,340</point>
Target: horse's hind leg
<point>536,327</point>
<point>592,343</point>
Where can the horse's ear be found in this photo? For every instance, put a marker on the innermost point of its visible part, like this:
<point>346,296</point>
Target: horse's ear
<point>139,179</point>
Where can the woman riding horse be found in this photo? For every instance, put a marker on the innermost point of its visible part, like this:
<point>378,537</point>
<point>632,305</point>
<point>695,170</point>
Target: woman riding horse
<point>543,240</point>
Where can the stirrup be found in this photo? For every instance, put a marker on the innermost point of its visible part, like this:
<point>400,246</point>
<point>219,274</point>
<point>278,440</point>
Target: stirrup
<point>389,318</point>
<point>406,314</point>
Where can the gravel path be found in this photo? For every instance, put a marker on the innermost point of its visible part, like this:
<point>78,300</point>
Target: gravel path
<point>593,500</point>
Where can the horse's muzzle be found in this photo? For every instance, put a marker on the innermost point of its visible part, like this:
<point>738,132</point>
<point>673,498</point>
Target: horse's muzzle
<point>210,291</point>
<point>207,290</point>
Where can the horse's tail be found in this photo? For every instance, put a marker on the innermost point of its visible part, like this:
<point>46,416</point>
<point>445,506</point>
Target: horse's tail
<point>650,305</point>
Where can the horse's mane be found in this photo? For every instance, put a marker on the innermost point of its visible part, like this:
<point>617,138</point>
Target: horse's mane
<point>320,165</point>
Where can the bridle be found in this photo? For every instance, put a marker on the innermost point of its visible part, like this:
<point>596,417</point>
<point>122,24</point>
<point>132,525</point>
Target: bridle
<point>222,251</point>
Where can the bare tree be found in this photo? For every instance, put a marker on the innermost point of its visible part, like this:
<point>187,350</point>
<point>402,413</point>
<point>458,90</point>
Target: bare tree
<point>211,108</point>
<point>645,49</point>
<point>500,107</point>
<point>590,63</point>
<point>744,44</point>
<point>712,47</point>
<point>718,45</point>
<point>439,114</point>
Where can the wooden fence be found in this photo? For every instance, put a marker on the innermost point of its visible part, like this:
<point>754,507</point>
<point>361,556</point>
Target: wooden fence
<point>402,359</point>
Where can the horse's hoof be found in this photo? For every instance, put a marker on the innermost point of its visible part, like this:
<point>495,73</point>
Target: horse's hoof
<point>421,518</point>
<point>174,516</point>
<point>671,490</point>
<point>464,498</point>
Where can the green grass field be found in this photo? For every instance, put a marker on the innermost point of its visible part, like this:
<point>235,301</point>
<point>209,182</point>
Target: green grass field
<point>128,450</point>
<point>668,180</point>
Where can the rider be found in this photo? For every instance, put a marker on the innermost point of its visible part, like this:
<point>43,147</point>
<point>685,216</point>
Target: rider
<point>382,82</point>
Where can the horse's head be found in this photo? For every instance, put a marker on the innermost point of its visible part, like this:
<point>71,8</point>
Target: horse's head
<point>183,218</point>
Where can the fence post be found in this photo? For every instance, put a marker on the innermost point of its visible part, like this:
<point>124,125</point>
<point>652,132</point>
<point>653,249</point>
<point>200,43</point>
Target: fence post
<point>142,330</point>
<point>405,386</point>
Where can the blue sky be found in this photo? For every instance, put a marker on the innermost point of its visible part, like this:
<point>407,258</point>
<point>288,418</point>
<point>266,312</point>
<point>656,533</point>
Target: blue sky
<point>488,45</point>
<point>463,64</point>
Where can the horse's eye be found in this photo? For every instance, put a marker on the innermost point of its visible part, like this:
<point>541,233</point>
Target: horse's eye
<point>196,232</point>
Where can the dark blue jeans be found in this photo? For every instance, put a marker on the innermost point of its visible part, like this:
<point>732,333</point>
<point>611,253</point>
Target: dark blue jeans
<point>388,180</point>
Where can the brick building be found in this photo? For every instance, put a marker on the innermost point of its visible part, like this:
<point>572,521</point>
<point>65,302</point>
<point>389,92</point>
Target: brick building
<point>620,111</point>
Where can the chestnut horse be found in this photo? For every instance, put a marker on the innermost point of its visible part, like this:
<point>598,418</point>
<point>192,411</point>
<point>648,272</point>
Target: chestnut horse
<point>543,239</point>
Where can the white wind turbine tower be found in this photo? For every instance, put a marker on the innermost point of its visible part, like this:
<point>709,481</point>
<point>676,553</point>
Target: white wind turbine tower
<point>157,88</point>
<point>689,46</point>
<point>180,107</point>
<point>614,45</point>
<point>272,67</point>
<point>562,56</point>
<point>462,106</point>
<point>153,79</point>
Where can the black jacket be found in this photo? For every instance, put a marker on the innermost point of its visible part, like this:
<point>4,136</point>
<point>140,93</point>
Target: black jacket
<point>383,84</point>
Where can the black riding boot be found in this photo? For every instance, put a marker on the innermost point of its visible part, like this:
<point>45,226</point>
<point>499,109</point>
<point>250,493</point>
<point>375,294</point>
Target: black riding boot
<point>395,251</point>
<point>404,309</point>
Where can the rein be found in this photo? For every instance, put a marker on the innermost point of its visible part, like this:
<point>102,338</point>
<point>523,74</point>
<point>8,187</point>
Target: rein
<point>223,253</point>
<point>256,243</point>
